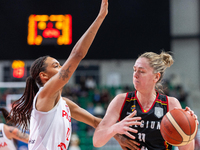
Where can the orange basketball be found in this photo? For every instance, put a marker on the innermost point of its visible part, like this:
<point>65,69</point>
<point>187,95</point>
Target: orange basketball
<point>178,127</point>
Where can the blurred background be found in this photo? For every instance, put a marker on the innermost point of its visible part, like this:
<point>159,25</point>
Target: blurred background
<point>30,29</point>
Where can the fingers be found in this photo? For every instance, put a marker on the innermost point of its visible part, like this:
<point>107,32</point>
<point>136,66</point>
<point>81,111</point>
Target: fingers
<point>130,135</point>
<point>132,114</point>
<point>130,129</point>
<point>131,123</point>
<point>125,126</point>
<point>132,119</point>
<point>103,9</point>
<point>191,112</point>
<point>124,148</point>
<point>187,109</point>
<point>104,2</point>
<point>133,145</point>
<point>133,130</point>
<point>197,122</point>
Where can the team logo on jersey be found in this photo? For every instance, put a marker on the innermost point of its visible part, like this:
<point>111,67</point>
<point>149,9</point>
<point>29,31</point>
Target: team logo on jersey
<point>1,133</point>
<point>158,112</point>
<point>132,108</point>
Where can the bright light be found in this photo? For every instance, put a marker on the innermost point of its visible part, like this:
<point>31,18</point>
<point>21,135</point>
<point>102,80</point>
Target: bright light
<point>44,27</point>
<point>18,68</point>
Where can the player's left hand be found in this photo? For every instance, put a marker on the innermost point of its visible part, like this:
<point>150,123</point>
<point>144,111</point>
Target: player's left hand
<point>192,114</point>
<point>126,143</point>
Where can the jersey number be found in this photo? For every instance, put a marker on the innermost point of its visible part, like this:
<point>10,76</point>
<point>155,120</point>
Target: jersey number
<point>141,137</point>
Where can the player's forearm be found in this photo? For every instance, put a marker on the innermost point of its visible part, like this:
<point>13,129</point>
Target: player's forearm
<point>84,116</point>
<point>96,122</point>
<point>91,121</point>
<point>102,136</point>
<point>17,134</point>
<point>24,138</point>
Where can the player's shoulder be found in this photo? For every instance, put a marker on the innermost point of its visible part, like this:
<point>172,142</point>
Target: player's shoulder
<point>121,96</point>
<point>118,99</point>
<point>173,102</point>
<point>172,99</point>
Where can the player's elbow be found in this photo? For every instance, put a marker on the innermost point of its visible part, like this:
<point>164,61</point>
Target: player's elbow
<point>96,142</point>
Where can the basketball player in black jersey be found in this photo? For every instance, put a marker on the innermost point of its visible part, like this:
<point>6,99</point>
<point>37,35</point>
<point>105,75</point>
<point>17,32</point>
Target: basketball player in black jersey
<point>146,102</point>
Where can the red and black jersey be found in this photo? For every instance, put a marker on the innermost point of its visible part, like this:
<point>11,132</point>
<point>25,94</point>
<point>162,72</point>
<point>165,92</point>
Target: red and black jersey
<point>148,135</point>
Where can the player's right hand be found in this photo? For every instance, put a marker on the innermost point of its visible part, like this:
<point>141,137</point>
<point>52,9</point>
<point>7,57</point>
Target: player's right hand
<point>104,8</point>
<point>124,126</point>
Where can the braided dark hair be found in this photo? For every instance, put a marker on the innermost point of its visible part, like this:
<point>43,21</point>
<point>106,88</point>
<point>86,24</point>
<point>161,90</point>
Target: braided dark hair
<point>21,109</point>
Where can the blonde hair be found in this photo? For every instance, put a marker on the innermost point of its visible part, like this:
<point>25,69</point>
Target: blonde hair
<point>159,63</point>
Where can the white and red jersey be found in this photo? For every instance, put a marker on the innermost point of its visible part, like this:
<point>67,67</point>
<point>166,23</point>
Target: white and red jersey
<point>5,143</point>
<point>50,130</point>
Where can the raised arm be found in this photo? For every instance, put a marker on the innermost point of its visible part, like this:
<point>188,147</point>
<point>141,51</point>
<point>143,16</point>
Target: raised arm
<point>108,126</point>
<point>14,133</point>
<point>52,88</point>
<point>78,53</point>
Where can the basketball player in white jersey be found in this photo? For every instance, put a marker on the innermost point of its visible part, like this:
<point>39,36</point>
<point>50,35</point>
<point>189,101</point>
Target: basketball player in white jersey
<point>9,133</point>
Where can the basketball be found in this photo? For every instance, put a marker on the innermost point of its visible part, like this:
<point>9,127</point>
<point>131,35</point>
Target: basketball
<point>178,127</point>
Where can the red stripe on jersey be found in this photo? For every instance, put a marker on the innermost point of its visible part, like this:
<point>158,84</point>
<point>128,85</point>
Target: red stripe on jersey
<point>123,105</point>
<point>167,103</point>
<point>161,101</point>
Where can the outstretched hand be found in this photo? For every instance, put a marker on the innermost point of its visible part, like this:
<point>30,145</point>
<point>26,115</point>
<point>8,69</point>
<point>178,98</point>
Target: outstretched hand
<point>124,126</point>
<point>104,8</point>
<point>192,114</point>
